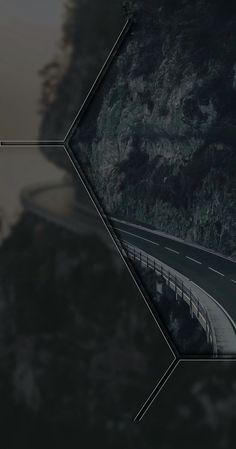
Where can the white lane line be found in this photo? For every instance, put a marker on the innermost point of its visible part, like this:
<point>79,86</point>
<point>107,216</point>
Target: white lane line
<point>232,280</point>
<point>137,236</point>
<point>193,260</point>
<point>172,250</point>
<point>215,271</point>
<point>176,239</point>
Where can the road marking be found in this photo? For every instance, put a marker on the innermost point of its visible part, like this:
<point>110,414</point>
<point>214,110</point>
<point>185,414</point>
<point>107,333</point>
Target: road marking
<point>176,239</point>
<point>172,250</point>
<point>232,280</point>
<point>215,271</point>
<point>193,260</point>
<point>138,237</point>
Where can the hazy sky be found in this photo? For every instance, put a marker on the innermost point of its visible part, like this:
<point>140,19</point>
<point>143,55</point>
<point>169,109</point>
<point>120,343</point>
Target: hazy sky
<point>30,32</point>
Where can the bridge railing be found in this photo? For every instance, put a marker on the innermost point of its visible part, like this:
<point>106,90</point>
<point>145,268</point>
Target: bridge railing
<point>176,284</point>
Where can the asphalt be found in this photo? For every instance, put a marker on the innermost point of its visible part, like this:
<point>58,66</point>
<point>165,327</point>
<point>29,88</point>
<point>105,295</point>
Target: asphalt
<point>216,275</point>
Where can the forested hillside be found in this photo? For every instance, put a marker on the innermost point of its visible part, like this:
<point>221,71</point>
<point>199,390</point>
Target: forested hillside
<point>158,142</point>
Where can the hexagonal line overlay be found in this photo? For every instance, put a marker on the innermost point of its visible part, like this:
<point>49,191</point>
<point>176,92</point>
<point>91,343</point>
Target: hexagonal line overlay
<point>113,53</point>
<point>101,208</point>
<point>105,219</point>
<point>192,379</point>
<point>178,357</point>
<point>209,347</point>
<point>77,125</point>
<point>79,116</point>
<point>52,123</point>
<point>52,233</point>
<point>157,390</point>
<point>92,92</point>
<point>182,357</point>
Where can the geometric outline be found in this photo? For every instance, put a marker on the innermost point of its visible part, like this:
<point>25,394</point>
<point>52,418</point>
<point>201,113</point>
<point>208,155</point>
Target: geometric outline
<point>65,143</point>
<point>129,266</point>
<point>177,357</point>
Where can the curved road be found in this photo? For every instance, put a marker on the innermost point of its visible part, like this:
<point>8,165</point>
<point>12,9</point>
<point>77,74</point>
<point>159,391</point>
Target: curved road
<point>216,275</point>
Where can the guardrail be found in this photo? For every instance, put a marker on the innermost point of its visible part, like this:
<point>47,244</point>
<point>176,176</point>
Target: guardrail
<point>176,284</point>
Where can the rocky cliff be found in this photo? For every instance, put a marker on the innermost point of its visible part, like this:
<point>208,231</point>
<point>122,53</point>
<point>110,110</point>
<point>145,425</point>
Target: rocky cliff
<point>158,143</point>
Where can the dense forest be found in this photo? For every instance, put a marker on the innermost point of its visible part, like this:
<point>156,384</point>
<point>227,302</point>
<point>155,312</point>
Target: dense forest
<point>158,143</point>
<point>166,114</point>
<point>78,344</point>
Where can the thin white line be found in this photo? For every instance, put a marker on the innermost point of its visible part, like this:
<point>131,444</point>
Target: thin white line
<point>232,280</point>
<point>221,358</point>
<point>176,272</point>
<point>147,404</point>
<point>215,271</point>
<point>172,250</point>
<point>138,237</point>
<point>176,239</point>
<point>27,145</point>
<point>193,260</point>
<point>103,218</point>
<point>31,143</point>
<point>113,52</point>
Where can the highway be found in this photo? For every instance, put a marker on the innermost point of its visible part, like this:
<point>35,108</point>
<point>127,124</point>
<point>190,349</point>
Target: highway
<point>214,274</point>
<point>211,277</point>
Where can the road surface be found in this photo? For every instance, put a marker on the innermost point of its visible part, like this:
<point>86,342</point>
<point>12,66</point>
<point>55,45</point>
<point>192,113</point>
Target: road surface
<point>214,274</point>
<point>211,272</point>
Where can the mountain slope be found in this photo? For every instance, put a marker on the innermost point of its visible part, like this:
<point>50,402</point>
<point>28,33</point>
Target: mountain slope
<point>158,144</point>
